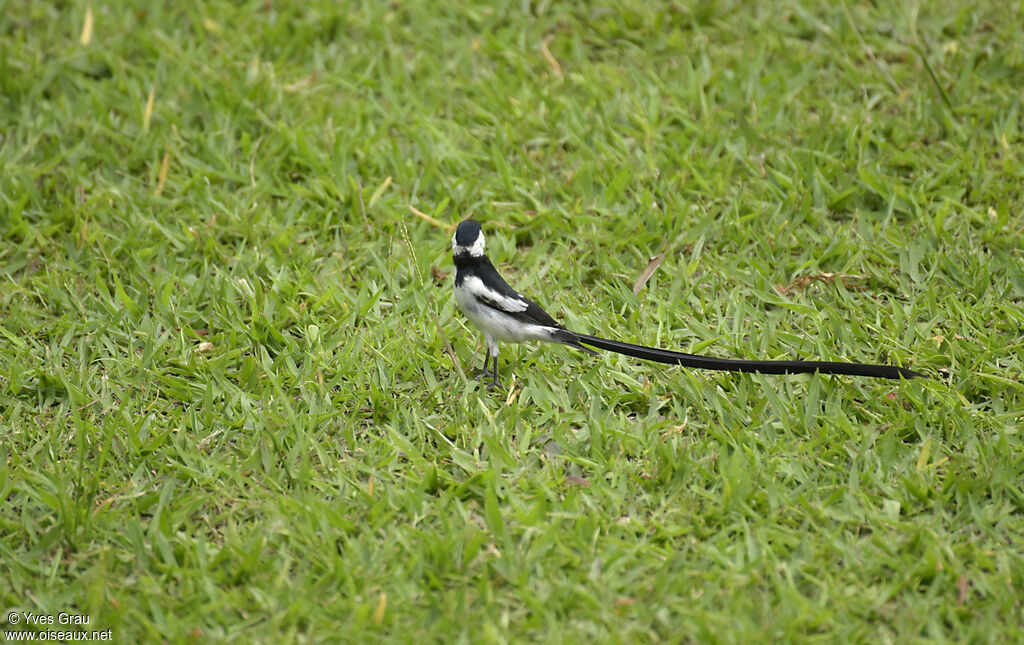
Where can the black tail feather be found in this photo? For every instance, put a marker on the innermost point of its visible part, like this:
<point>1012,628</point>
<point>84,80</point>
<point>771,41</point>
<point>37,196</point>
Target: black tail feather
<point>735,365</point>
<point>562,335</point>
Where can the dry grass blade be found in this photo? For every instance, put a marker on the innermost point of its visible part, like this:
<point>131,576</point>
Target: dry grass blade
<point>799,284</point>
<point>431,220</point>
<point>86,36</point>
<point>556,67</point>
<point>147,114</point>
<point>162,179</point>
<point>380,191</point>
<point>652,266</point>
<point>962,588</point>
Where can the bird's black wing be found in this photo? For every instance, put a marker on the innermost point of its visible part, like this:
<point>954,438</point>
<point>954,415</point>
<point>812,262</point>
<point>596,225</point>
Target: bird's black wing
<point>513,303</point>
<point>536,315</point>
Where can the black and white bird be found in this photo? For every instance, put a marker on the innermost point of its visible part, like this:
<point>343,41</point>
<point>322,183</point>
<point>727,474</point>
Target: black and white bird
<point>505,315</point>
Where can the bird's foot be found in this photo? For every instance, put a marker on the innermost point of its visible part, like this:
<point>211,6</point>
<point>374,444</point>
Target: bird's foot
<point>490,378</point>
<point>484,373</point>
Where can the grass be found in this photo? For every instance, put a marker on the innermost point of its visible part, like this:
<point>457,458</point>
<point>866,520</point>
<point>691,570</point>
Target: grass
<point>233,382</point>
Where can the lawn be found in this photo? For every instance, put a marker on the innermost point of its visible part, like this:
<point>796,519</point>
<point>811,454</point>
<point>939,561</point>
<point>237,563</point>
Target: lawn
<point>237,396</point>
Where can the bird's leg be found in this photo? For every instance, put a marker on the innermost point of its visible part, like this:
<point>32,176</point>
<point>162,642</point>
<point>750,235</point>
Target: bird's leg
<point>495,383</point>
<point>486,371</point>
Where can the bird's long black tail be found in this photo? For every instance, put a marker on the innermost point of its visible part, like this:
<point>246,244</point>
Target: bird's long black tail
<point>735,365</point>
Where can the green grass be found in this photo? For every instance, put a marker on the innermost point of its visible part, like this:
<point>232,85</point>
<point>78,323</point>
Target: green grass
<point>234,393</point>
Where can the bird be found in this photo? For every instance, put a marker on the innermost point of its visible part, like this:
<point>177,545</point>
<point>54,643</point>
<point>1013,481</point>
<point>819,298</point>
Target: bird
<point>505,315</point>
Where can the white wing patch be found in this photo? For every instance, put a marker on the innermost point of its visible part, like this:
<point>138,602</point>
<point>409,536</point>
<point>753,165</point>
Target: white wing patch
<point>476,288</point>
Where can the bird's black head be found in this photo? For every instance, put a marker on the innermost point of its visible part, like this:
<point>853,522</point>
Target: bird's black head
<point>467,232</point>
<point>468,240</point>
